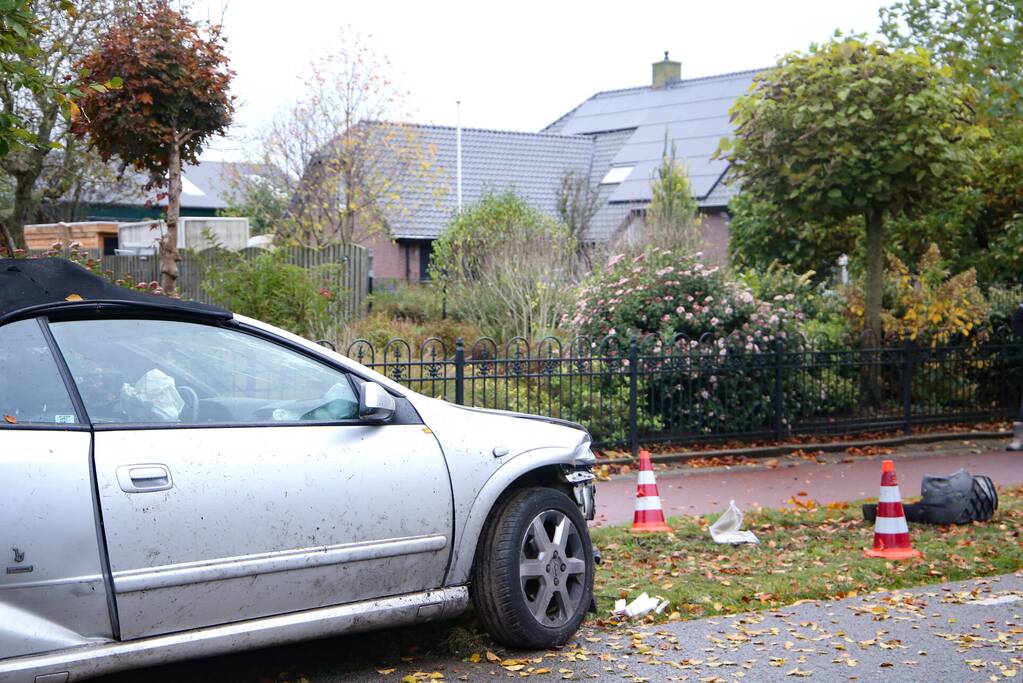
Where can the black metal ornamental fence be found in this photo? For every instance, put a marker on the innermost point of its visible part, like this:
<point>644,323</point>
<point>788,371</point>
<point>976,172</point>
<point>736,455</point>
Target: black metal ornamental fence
<point>628,392</point>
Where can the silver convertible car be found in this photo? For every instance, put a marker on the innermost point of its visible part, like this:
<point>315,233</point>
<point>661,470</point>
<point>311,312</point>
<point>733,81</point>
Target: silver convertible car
<point>178,481</point>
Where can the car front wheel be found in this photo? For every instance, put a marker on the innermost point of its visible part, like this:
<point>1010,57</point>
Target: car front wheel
<point>533,576</point>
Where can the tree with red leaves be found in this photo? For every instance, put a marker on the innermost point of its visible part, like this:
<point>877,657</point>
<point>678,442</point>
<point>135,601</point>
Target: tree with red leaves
<point>174,98</point>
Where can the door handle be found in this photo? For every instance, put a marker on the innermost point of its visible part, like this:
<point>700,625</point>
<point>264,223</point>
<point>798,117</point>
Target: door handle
<point>144,478</point>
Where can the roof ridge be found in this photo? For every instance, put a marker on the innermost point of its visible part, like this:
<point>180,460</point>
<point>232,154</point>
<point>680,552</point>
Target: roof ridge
<point>681,82</point>
<point>497,130</point>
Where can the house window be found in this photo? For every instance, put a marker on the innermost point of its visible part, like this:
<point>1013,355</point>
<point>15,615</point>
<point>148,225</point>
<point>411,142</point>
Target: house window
<point>109,245</point>
<point>616,174</point>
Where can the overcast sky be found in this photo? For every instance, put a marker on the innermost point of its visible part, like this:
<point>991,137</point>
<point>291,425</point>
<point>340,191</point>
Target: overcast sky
<point>514,65</point>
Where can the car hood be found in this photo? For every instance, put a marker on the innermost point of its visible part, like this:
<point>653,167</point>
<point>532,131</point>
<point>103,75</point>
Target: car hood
<point>468,430</point>
<point>527,416</point>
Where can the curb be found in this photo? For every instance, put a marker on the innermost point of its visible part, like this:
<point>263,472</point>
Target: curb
<point>770,451</point>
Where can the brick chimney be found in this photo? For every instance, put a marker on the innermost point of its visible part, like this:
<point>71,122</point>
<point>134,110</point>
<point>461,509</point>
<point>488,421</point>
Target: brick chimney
<point>666,71</point>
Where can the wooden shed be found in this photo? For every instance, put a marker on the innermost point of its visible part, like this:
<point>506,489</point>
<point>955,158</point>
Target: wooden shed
<point>91,235</point>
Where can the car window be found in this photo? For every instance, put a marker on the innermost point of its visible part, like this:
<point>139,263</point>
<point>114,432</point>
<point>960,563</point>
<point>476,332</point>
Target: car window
<point>145,371</point>
<point>31,388</point>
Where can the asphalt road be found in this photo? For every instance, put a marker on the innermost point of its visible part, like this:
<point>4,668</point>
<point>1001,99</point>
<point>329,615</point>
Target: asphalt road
<point>840,478</point>
<point>968,631</point>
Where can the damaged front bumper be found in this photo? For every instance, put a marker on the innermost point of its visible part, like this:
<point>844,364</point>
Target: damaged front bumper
<point>584,489</point>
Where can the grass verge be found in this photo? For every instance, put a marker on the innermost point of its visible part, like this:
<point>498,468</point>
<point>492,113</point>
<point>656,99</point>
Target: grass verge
<point>806,552</point>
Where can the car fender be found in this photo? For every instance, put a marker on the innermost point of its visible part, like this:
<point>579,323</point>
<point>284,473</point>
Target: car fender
<point>511,471</point>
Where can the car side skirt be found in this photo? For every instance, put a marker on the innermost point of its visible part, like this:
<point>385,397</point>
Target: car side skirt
<point>107,657</point>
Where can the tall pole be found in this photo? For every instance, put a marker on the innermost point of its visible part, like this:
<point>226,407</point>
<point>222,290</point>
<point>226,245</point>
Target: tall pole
<point>458,151</point>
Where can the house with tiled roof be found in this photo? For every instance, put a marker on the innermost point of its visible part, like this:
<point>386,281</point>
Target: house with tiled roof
<point>631,125</point>
<point>614,138</point>
<point>493,161</point>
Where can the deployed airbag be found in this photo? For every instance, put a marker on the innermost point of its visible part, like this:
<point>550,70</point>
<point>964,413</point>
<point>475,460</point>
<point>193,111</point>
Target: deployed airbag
<point>154,397</point>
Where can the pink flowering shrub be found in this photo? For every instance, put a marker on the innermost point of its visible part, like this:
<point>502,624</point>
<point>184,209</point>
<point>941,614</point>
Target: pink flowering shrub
<point>664,293</point>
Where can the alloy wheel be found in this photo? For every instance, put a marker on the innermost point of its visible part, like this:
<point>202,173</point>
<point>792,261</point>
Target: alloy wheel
<point>552,569</point>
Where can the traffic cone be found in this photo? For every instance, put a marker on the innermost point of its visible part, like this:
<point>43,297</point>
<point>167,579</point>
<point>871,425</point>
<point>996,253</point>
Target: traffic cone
<point>891,533</point>
<point>648,516</point>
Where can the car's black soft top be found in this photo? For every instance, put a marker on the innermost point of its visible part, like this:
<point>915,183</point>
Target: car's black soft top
<point>41,285</point>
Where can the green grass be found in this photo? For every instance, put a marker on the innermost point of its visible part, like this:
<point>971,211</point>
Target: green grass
<point>803,554</point>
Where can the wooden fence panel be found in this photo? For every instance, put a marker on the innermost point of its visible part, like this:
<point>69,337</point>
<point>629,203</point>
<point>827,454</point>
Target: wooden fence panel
<point>136,268</point>
<point>352,278</point>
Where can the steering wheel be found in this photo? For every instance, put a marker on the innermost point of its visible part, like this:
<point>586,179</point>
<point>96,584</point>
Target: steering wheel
<point>191,402</point>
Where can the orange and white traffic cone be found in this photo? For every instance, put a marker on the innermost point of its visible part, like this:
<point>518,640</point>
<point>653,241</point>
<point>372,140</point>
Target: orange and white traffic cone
<point>891,533</point>
<point>648,516</point>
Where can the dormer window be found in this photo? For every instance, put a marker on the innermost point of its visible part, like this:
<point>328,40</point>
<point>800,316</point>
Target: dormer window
<point>616,175</point>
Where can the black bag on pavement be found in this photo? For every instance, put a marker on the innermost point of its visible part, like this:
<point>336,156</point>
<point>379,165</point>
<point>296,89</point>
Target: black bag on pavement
<point>960,498</point>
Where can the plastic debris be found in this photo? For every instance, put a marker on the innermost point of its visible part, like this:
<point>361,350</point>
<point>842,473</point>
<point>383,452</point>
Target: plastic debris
<point>641,605</point>
<point>727,529</point>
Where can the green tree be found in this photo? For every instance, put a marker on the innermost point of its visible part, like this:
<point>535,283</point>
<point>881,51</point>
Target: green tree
<point>757,239</point>
<point>850,129</point>
<point>981,41</point>
<point>506,267</point>
<point>19,32</point>
<point>175,98</point>
<point>257,195</point>
<point>672,219</point>
<point>55,162</point>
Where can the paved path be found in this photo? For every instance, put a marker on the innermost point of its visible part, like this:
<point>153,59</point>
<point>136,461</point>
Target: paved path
<point>843,478</point>
<point>966,631</point>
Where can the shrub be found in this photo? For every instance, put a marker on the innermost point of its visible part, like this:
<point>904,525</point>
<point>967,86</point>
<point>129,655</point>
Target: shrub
<point>269,288</point>
<point>418,303</point>
<point>930,304</point>
<point>673,219</point>
<point>506,267</point>
<point>378,329</point>
<point>823,309</point>
<point>1002,304</point>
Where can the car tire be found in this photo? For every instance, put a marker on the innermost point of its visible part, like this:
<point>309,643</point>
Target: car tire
<point>532,581</point>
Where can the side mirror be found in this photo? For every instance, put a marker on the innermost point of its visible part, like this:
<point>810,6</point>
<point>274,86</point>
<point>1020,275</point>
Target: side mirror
<point>375,404</point>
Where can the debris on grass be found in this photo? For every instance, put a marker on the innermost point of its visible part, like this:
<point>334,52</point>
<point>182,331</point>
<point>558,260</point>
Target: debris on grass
<point>728,528</point>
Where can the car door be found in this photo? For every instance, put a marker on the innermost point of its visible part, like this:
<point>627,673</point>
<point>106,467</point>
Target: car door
<point>52,590</point>
<point>236,479</point>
